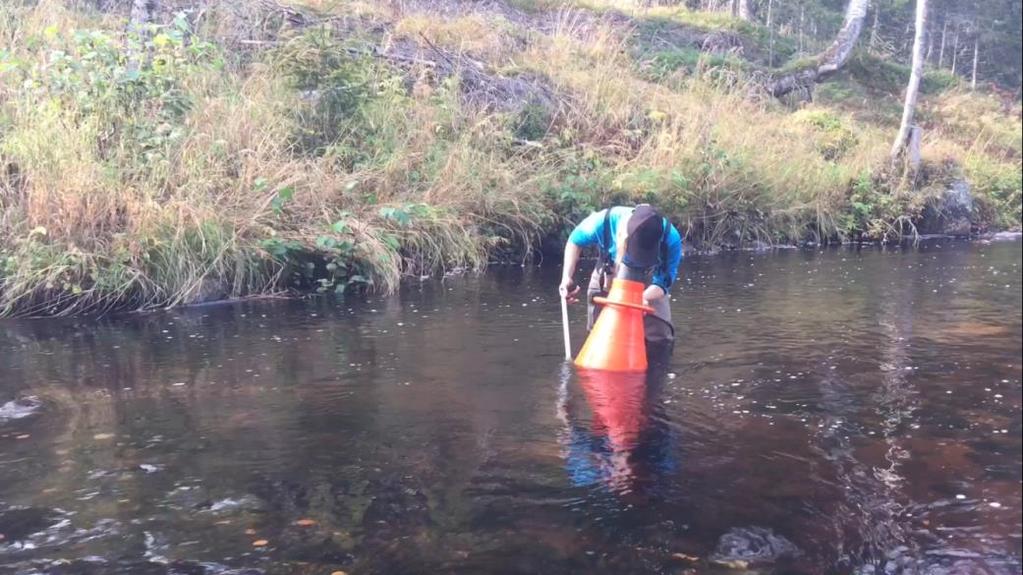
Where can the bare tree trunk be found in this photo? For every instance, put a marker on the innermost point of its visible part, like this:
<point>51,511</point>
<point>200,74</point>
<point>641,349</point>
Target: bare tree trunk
<point>976,56</point>
<point>836,55</point>
<point>141,13</point>
<point>955,52</point>
<point>873,31</point>
<point>913,89</point>
<point>801,30</point>
<point>770,29</point>
<point>913,154</point>
<point>744,11</point>
<point>930,43</point>
<point>907,39</point>
<point>941,52</point>
<point>140,16</point>
<point>830,60</point>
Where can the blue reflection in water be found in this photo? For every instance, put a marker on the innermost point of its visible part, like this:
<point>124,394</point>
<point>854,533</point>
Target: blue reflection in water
<point>625,446</point>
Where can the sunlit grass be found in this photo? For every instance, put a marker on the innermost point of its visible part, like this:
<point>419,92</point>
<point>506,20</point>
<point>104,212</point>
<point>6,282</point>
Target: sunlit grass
<point>311,168</point>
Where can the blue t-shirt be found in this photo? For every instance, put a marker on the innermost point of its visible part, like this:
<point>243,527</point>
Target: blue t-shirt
<point>590,232</point>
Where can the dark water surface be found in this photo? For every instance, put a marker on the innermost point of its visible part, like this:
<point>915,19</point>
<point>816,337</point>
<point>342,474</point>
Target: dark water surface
<point>825,412</point>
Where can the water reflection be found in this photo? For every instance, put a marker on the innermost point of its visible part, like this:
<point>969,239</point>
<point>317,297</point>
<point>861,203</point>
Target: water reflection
<point>625,444</point>
<point>834,412</point>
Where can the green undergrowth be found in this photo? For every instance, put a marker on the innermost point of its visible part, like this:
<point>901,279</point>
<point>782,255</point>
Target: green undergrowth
<point>674,67</point>
<point>734,41</point>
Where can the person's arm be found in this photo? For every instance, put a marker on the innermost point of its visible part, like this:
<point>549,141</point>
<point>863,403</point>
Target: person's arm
<point>586,233</point>
<point>567,288</point>
<point>665,275</point>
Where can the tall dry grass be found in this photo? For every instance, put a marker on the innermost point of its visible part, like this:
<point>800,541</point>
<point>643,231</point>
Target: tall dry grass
<point>305,167</point>
<point>730,169</point>
<point>93,220</point>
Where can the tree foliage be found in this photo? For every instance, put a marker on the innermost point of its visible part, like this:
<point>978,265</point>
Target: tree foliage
<point>992,26</point>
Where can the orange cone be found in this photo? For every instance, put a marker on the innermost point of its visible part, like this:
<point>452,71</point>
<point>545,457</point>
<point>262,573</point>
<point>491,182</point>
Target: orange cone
<point>616,342</point>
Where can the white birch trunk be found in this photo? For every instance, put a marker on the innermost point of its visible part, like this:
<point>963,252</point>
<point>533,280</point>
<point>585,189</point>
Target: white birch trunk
<point>844,43</point>
<point>941,52</point>
<point>913,154</point>
<point>744,12</point>
<point>140,16</point>
<point>976,56</point>
<point>930,44</point>
<point>801,30</point>
<point>830,60</point>
<point>913,89</point>
<point>955,52</point>
<point>873,31</point>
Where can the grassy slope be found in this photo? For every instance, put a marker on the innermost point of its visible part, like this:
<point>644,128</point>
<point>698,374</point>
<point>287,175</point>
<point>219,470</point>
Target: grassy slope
<point>217,167</point>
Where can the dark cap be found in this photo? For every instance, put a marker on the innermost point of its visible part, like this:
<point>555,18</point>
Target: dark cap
<point>644,230</point>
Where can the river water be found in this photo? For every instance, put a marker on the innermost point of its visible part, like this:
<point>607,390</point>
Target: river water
<point>841,411</point>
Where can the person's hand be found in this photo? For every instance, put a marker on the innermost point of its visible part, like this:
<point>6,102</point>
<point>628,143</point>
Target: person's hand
<point>568,290</point>
<point>652,293</point>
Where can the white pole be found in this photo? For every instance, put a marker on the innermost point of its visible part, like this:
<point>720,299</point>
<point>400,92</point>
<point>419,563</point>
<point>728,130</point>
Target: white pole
<point>564,325</point>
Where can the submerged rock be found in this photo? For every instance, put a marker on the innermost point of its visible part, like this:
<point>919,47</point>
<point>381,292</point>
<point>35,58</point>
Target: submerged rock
<point>20,408</point>
<point>18,523</point>
<point>33,529</point>
<point>230,504</point>
<point>742,546</point>
<point>395,510</point>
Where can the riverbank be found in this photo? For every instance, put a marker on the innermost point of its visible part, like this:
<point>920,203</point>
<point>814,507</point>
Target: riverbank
<point>225,153</point>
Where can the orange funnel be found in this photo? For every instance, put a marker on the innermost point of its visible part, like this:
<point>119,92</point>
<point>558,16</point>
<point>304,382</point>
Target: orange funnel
<point>616,341</point>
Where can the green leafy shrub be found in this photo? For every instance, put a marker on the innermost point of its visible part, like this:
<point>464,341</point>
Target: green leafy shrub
<point>997,190</point>
<point>876,73</point>
<point>834,139</point>
<point>662,65</point>
<point>532,122</point>
<point>131,91</point>
<point>334,85</point>
<point>938,81</point>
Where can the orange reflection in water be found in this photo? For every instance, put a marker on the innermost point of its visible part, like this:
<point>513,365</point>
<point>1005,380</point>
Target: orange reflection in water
<point>617,401</point>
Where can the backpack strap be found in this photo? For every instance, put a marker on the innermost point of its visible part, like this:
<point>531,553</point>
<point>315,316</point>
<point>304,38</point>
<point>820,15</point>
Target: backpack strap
<point>664,244</point>
<point>662,266</point>
<point>605,243</point>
